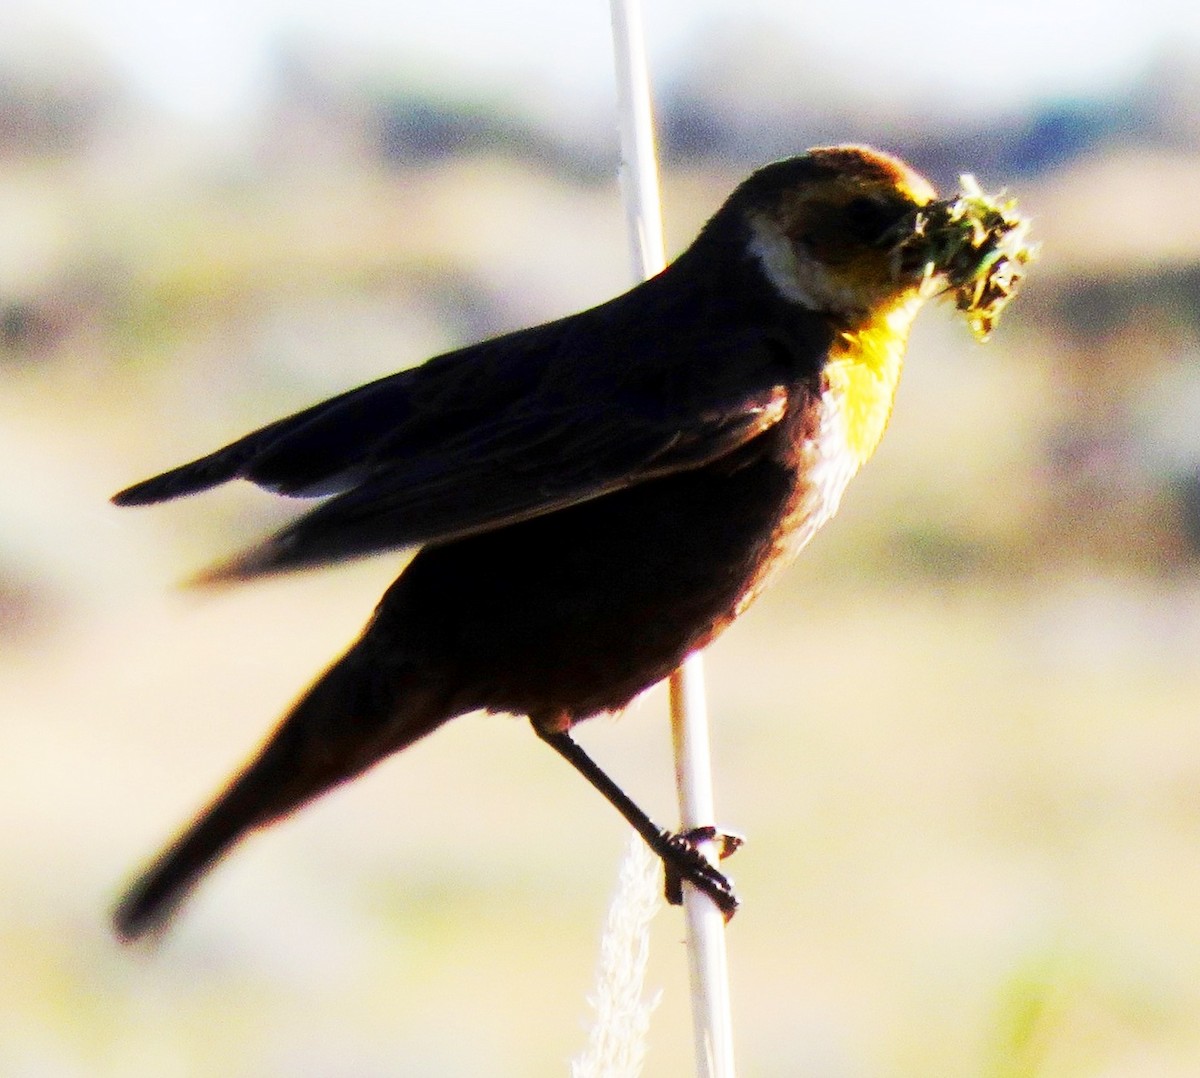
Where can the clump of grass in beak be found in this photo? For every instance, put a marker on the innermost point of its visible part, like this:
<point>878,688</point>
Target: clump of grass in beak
<point>977,245</point>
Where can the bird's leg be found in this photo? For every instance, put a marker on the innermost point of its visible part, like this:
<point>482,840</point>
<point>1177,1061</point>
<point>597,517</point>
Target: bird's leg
<point>679,852</point>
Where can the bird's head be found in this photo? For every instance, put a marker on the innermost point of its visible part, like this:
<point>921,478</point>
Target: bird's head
<point>849,231</point>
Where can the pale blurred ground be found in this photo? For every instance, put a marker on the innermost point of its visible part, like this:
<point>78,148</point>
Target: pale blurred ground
<point>962,734</point>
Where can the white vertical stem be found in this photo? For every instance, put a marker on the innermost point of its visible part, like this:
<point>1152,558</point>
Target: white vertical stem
<point>711,1014</point>
<point>639,165</point>
<point>712,1017</point>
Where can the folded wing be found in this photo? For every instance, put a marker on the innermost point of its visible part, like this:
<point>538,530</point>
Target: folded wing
<point>497,433</point>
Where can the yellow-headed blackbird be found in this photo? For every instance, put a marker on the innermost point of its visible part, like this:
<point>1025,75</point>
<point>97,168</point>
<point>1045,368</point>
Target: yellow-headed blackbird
<point>597,497</point>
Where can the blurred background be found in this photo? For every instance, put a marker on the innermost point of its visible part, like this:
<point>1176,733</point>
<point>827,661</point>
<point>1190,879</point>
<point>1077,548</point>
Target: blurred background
<point>962,734</point>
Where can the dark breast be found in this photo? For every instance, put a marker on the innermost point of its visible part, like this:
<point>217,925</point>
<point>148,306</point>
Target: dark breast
<point>579,611</point>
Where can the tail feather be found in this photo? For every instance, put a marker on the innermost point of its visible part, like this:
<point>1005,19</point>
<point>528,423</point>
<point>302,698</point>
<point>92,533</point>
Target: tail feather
<point>159,891</point>
<point>366,707</point>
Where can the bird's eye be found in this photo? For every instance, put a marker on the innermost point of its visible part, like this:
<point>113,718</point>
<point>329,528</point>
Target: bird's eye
<point>868,220</point>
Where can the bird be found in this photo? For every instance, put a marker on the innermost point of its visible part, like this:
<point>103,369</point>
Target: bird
<point>595,498</point>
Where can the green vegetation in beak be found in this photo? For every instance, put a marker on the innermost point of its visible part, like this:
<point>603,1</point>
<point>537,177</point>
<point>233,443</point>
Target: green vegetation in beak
<point>977,245</point>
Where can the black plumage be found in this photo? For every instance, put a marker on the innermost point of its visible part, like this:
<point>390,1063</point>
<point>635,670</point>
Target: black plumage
<point>595,498</point>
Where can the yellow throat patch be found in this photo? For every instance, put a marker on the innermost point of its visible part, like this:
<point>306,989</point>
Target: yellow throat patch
<point>863,370</point>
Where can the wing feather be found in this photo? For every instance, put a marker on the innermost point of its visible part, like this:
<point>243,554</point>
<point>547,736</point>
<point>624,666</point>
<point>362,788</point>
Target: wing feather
<point>397,508</point>
<point>518,426</point>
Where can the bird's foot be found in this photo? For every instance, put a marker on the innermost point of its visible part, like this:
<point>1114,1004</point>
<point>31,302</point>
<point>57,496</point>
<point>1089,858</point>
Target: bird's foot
<point>683,860</point>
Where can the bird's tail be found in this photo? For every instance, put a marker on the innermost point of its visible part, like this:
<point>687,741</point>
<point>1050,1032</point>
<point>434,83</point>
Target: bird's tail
<point>367,706</point>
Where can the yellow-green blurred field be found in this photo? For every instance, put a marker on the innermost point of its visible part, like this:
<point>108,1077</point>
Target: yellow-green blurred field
<point>962,734</point>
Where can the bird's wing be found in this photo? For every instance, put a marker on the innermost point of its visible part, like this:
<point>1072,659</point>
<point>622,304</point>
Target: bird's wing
<point>517,469</point>
<point>330,446</point>
<point>503,431</point>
